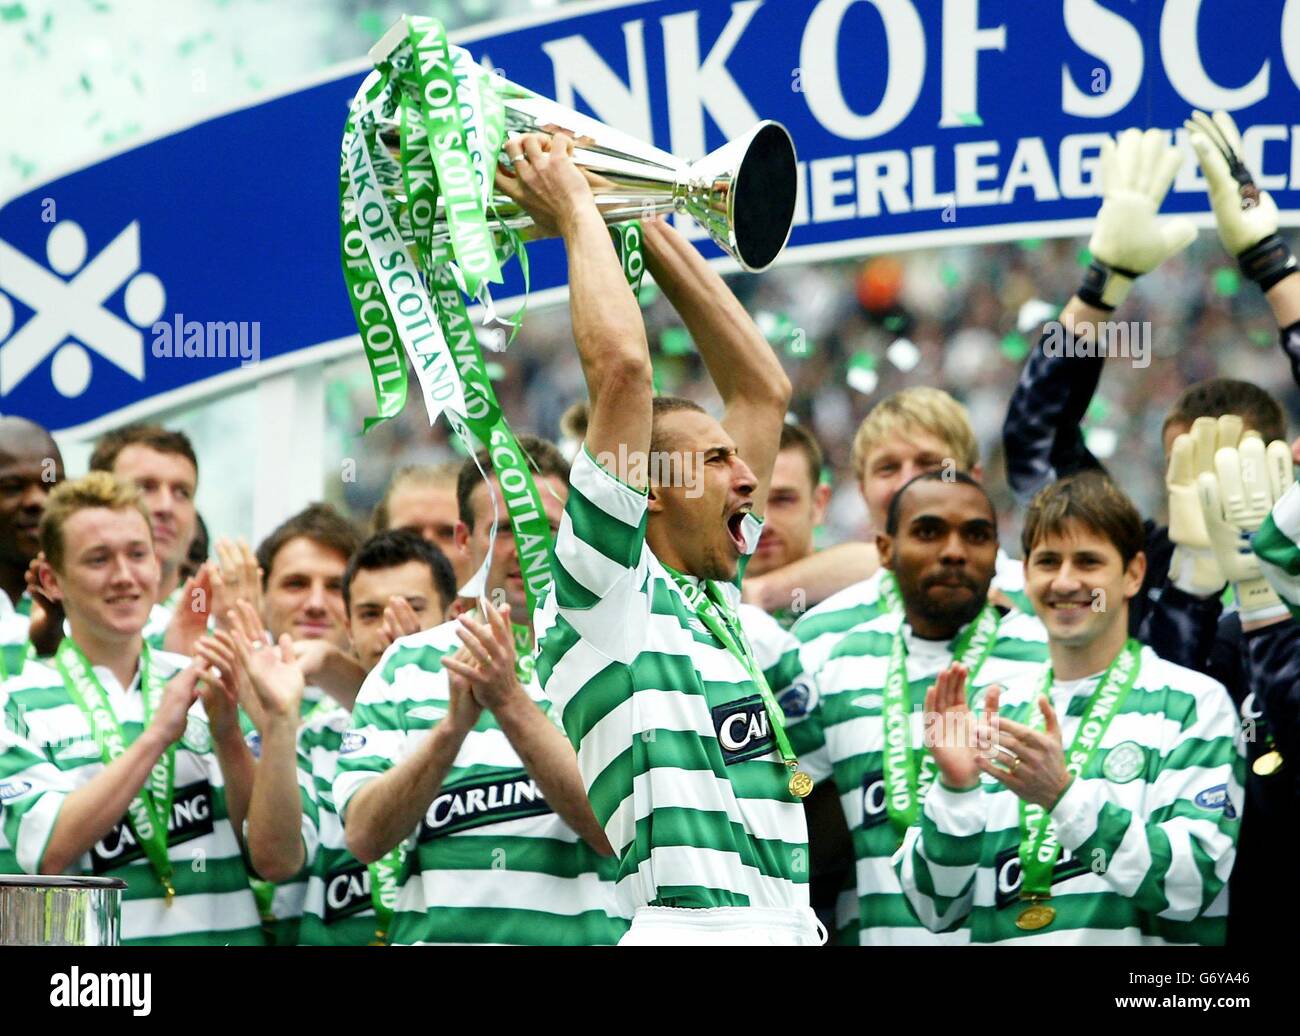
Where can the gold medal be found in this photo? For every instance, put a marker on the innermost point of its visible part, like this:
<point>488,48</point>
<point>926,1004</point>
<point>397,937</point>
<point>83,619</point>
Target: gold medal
<point>1035,916</point>
<point>800,784</point>
<point>1267,764</point>
<point>169,893</point>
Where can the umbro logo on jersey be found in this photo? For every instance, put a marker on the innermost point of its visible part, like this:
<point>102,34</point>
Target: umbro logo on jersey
<point>191,818</point>
<point>798,700</point>
<point>485,802</point>
<point>874,810</point>
<point>1006,866</point>
<point>352,742</point>
<point>742,729</point>
<point>429,712</point>
<point>14,790</point>
<point>347,892</point>
<point>1217,798</point>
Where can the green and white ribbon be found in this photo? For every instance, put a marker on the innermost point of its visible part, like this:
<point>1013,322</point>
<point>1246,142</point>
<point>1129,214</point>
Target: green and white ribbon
<point>451,119</point>
<point>1038,845</point>
<point>151,807</point>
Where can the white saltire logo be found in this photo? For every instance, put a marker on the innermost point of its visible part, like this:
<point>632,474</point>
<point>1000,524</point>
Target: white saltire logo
<point>69,315</point>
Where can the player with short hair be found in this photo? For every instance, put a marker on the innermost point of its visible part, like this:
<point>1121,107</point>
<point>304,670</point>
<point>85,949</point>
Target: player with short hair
<point>422,498</point>
<point>162,463</point>
<point>453,752</point>
<point>111,766</point>
<point>396,581</point>
<point>940,548</point>
<point>30,467</point>
<point>303,561</point>
<point>678,737</point>
<point>1098,800</point>
<point>1179,610</point>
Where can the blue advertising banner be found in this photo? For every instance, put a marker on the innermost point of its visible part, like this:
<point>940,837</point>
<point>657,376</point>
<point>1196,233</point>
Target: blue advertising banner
<point>918,122</point>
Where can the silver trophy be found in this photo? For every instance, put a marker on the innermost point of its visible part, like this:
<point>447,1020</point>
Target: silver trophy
<point>743,193</point>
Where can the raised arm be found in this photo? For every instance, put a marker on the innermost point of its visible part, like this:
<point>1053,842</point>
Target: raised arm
<point>1041,434</point>
<point>1247,221</point>
<point>754,388</point>
<point>606,319</point>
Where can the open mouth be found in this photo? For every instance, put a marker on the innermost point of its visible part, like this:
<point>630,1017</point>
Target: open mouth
<point>736,526</point>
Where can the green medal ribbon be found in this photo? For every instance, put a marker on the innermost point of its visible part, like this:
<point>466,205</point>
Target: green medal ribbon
<point>148,812</point>
<point>385,885</point>
<point>714,611</point>
<point>889,591</point>
<point>906,784</point>
<point>1038,845</point>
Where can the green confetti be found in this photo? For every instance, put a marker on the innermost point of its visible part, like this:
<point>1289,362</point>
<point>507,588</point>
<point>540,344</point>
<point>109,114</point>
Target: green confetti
<point>1227,282</point>
<point>100,6</point>
<point>649,293</point>
<point>1084,257</point>
<point>47,21</point>
<point>656,383</point>
<point>1098,409</point>
<point>950,275</point>
<point>675,341</point>
<point>1262,338</point>
<point>862,361</point>
<point>85,82</point>
<point>895,323</point>
<point>25,168</point>
<point>1015,347</point>
<point>372,24</point>
<point>13,13</point>
<point>1031,244</point>
<point>494,371</point>
<point>970,119</point>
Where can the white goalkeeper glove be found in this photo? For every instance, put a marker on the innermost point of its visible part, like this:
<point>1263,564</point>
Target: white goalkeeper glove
<point>1128,240</point>
<point>1235,501</point>
<point>1245,215</point>
<point>1193,567</point>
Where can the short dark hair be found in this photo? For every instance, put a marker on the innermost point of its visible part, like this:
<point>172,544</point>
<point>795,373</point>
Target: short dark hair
<point>542,455</point>
<point>394,547</point>
<point>796,437</point>
<point>154,436</point>
<point>661,407</point>
<point>319,523</point>
<point>1215,397</point>
<point>1094,501</point>
<point>961,478</point>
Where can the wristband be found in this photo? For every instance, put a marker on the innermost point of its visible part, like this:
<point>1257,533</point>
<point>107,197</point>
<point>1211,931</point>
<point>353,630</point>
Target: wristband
<point>1257,601</point>
<point>1105,287</point>
<point>1268,262</point>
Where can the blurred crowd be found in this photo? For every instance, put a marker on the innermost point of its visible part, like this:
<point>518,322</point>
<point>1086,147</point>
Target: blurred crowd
<point>852,332</point>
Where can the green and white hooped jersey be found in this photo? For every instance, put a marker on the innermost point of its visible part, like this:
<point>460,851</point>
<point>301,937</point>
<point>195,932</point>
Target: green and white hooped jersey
<point>50,751</point>
<point>491,862</point>
<point>1148,830</point>
<point>673,741</point>
<point>338,909</point>
<point>843,737</point>
<point>15,646</point>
